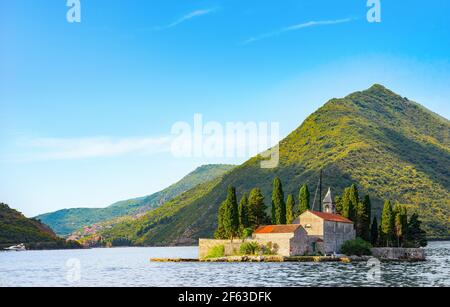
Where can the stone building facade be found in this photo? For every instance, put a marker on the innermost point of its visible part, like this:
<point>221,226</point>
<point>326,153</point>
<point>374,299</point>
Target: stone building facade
<point>289,239</point>
<point>330,230</point>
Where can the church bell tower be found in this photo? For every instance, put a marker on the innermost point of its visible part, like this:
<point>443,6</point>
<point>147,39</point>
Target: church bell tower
<point>328,205</point>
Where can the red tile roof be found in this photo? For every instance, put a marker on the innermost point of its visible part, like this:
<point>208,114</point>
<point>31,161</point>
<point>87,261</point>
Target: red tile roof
<point>331,217</point>
<point>277,229</point>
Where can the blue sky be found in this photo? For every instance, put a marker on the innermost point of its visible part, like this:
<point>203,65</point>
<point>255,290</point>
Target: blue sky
<point>85,108</point>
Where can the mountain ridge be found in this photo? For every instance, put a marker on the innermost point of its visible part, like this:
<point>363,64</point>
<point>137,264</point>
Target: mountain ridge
<point>15,229</point>
<point>64,222</point>
<point>388,145</point>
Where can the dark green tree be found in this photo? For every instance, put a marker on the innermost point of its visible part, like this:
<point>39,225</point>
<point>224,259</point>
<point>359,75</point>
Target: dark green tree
<point>354,194</point>
<point>374,232</point>
<point>415,235</point>
<point>387,224</point>
<point>400,223</point>
<point>231,214</point>
<point>304,199</point>
<point>278,204</point>
<point>256,209</point>
<point>220,232</point>
<point>368,207</point>
<point>338,202</point>
<point>363,219</point>
<point>290,208</point>
<point>243,213</point>
<point>348,208</point>
<point>354,198</point>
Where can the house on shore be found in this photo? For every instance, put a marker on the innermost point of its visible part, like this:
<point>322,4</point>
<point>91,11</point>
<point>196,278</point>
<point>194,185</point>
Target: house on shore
<point>311,233</point>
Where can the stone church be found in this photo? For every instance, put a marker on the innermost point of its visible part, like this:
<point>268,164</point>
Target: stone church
<point>312,233</point>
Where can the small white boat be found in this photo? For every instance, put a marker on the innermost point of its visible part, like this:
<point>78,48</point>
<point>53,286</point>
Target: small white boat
<point>16,248</point>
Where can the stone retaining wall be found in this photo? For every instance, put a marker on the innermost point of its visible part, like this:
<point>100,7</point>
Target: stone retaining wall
<point>231,247</point>
<point>391,253</point>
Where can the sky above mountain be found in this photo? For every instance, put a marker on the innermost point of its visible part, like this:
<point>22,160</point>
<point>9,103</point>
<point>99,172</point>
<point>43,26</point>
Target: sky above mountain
<point>87,108</point>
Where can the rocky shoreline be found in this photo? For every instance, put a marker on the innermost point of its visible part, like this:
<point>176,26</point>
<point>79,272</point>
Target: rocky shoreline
<point>268,259</point>
<point>382,254</point>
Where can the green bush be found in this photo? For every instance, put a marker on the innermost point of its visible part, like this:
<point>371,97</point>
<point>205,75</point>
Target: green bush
<point>357,247</point>
<point>217,251</point>
<point>250,248</point>
<point>246,233</point>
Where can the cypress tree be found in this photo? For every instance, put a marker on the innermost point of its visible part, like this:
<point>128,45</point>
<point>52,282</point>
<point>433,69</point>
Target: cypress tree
<point>404,222</point>
<point>234,213</point>
<point>415,235</point>
<point>243,213</point>
<point>374,232</point>
<point>220,232</point>
<point>231,214</point>
<point>273,213</point>
<point>304,199</point>
<point>256,208</point>
<point>363,219</point>
<point>360,224</point>
<point>290,206</point>
<point>400,223</point>
<point>278,204</point>
<point>338,202</point>
<point>354,198</point>
<point>387,224</point>
<point>347,206</point>
<point>368,207</point>
<point>380,236</point>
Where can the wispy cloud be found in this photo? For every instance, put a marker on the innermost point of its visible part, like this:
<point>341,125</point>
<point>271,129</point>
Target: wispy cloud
<point>187,17</point>
<point>296,28</point>
<point>96,147</point>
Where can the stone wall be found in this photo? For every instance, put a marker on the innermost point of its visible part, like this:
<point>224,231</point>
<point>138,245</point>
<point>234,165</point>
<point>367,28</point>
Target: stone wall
<point>391,253</point>
<point>231,247</point>
<point>313,224</point>
<point>287,244</point>
<point>299,243</point>
<point>282,240</point>
<point>335,234</point>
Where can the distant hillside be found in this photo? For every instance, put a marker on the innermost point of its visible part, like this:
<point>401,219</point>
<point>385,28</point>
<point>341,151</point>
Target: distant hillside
<point>65,222</point>
<point>15,228</point>
<point>391,147</point>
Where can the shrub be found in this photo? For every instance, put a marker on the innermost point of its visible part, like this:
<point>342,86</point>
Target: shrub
<point>246,233</point>
<point>217,251</point>
<point>357,247</point>
<point>250,248</point>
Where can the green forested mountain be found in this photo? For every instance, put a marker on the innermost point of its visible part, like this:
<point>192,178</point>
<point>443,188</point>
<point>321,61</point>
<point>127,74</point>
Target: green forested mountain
<point>15,228</point>
<point>389,146</point>
<point>65,222</point>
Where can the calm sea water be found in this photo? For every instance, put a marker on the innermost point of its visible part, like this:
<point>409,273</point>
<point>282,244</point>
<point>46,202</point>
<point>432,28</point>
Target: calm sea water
<point>131,267</point>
